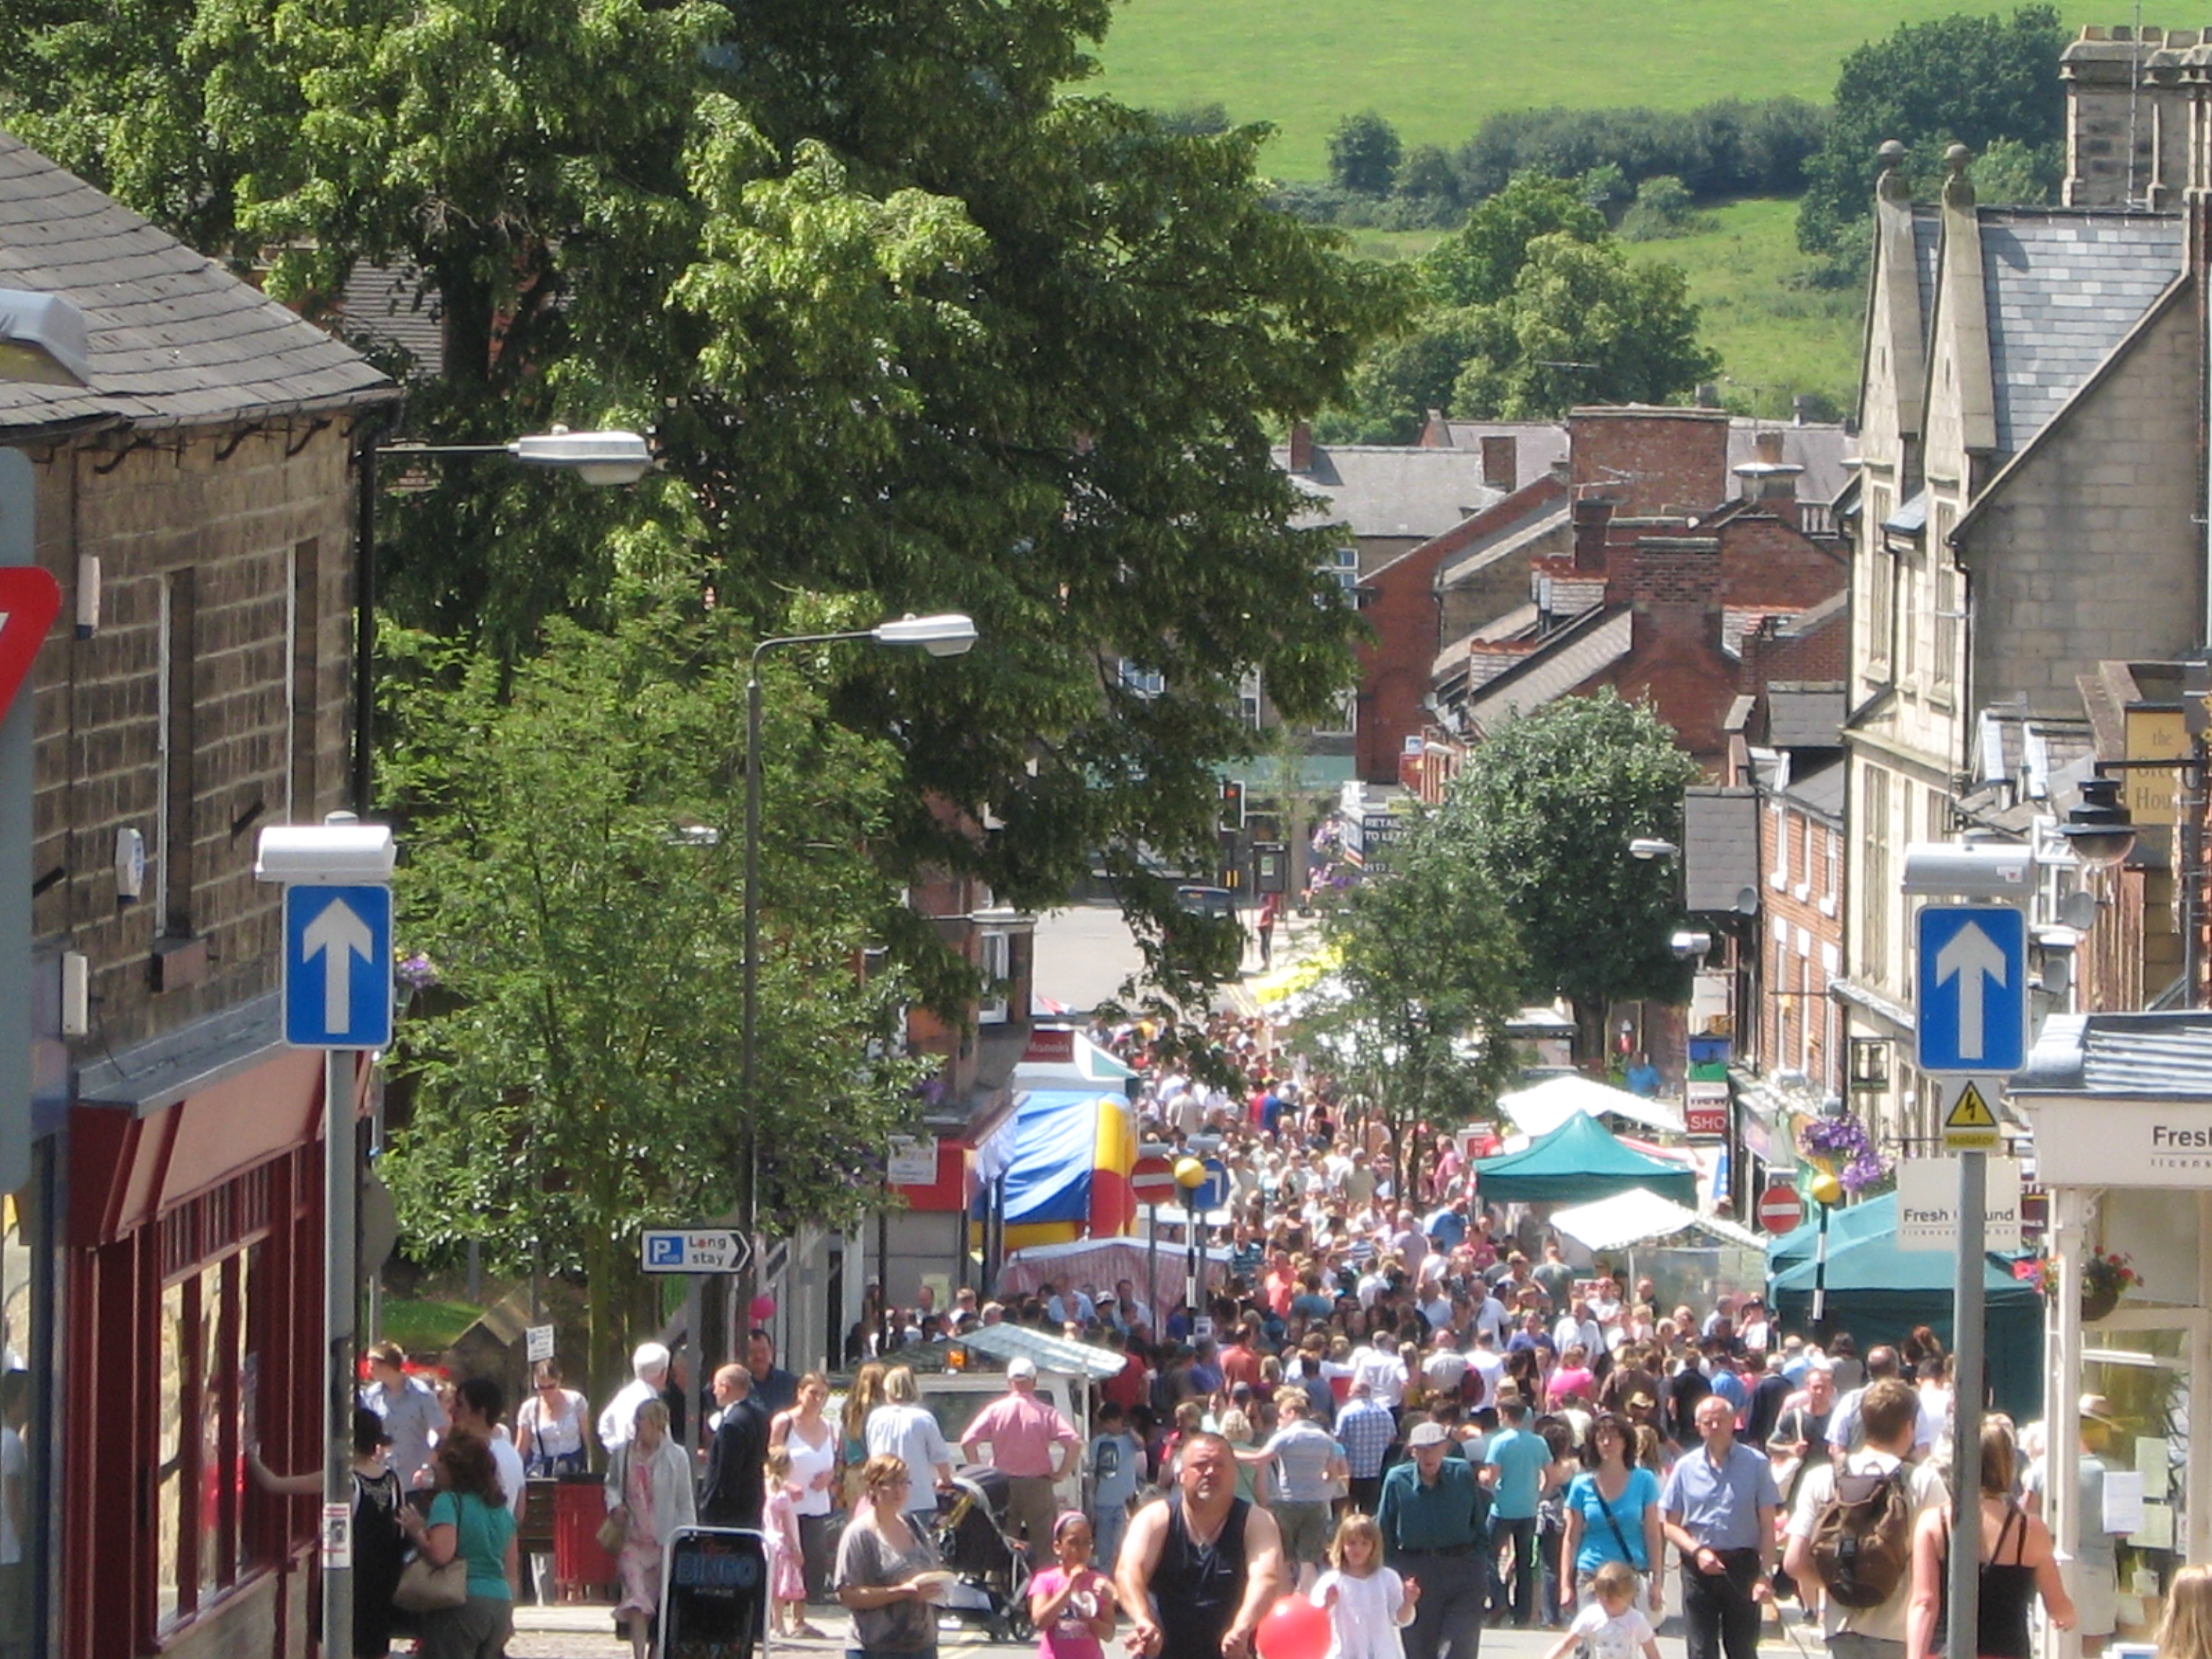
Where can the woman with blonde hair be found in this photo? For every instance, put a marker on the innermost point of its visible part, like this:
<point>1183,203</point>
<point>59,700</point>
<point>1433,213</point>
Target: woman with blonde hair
<point>863,1397</point>
<point>2018,1562</point>
<point>2185,1633</point>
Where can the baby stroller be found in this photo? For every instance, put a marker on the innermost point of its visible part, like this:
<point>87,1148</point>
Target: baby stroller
<point>992,1591</point>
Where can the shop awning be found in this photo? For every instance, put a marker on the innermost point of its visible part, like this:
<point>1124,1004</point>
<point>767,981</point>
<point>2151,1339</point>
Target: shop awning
<point>1048,1353</point>
<point>1847,1224</point>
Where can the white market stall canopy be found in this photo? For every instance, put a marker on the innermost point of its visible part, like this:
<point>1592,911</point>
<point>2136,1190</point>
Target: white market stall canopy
<point>1639,1216</point>
<point>1539,1110</point>
<point>1051,1353</point>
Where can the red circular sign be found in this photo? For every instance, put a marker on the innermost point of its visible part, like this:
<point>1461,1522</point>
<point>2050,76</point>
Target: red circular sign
<point>1151,1179</point>
<point>1780,1210</point>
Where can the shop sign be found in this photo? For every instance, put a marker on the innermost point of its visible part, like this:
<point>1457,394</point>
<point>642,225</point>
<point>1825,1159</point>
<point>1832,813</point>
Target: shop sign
<point>1706,1110</point>
<point>1927,1204</point>
<point>913,1161</point>
<point>2121,1143</point>
<point>1051,1045</point>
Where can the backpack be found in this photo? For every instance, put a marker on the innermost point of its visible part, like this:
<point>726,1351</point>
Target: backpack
<point>1862,1538</point>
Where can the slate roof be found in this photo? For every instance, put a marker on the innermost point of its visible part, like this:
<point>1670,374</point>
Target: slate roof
<point>175,339</point>
<point>1590,644</point>
<point>1818,447</point>
<point>1805,716</point>
<point>1392,490</point>
<point>1538,446</point>
<point>389,305</point>
<point>1927,241</point>
<point>1506,542</point>
<point>2151,1055</point>
<point>1820,789</point>
<point>2062,289</point>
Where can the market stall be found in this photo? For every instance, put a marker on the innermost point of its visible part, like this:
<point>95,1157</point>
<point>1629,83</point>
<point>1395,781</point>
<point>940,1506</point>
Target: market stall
<point>1577,1162</point>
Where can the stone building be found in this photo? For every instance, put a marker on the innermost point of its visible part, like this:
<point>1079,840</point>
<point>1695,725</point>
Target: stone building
<point>161,1276</point>
<point>2029,478</point>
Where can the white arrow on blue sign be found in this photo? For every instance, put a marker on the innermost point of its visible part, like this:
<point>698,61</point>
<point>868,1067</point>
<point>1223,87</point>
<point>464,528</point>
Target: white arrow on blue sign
<point>338,967</point>
<point>694,1251</point>
<point>1972,1016</point>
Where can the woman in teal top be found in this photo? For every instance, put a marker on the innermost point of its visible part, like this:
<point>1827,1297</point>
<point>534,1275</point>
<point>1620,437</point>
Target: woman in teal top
<point>470,1518</point>
<point>1612,1514</point>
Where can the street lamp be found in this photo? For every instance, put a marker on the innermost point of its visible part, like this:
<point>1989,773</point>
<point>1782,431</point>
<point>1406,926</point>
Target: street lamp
<point>946,636</point>
<point>600,458</point>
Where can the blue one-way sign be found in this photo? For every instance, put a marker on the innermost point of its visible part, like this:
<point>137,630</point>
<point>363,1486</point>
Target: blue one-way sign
<point>1972,989</point>
<point>338,967</point>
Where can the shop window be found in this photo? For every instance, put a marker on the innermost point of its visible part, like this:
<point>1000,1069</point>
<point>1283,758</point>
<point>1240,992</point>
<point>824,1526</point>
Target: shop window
<point>205,1426</point>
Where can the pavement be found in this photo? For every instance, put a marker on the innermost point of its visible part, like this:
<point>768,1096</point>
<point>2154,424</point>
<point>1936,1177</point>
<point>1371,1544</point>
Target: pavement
<point>588,1632</point>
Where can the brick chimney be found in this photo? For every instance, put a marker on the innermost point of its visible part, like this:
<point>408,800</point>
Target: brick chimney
<point>1768,482</point>
<point>1593,517</point>
<point>1436,432</point>
<point>1501,461</point>
<point>1647,459</point>
<point>1677,585</point>
<point>1301,447</point>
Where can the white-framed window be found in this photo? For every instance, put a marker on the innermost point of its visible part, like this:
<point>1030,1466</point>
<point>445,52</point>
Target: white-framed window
<point>1344,565</point>
<point>1251,703</point>
<point>998,965</point>
<point>1143,681</point>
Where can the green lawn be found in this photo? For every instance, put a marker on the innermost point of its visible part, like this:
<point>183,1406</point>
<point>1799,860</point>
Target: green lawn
<point>424,1325</point>
<point>1436,69</point>
<point>1775,339</point>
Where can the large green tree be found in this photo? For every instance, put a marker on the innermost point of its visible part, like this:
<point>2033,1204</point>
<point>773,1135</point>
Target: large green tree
<point>1969,79</point>
<point>1427,977</point>
<point>1534,308</point>
<point>573,881</point>
<point>1547,807</point>
<point>912,316</point>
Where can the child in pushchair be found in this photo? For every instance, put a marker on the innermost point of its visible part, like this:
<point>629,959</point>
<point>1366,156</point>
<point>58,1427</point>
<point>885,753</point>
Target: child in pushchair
<point>994,1573</point>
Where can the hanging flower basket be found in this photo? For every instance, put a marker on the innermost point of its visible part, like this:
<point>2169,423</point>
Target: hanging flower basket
<point>2105,1275</point>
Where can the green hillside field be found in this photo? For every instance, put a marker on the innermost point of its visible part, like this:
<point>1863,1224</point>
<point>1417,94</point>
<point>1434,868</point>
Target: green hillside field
<point>1435,69</point>
<point>1776,337</point>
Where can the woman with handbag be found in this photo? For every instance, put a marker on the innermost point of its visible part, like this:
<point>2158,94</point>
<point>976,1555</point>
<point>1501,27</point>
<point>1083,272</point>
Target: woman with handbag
<point>469,1524</point>
<point>1611,1514</point>
<point>648,1497</point>
<point>549,1430</point>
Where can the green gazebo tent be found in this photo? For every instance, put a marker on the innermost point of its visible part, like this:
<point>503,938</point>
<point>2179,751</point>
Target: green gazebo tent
<point>1577,1161</point>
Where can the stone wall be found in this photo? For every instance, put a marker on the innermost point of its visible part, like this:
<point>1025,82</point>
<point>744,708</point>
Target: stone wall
<point>2088,553</point>
<point>225,593</point>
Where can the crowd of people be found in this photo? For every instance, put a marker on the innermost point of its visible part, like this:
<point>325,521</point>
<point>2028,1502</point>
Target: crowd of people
<point>1412,1411</point>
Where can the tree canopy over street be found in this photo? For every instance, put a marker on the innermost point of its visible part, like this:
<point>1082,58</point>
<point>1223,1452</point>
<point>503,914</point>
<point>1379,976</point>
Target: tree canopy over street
<point>1546,808</point>
<point>909,319</point>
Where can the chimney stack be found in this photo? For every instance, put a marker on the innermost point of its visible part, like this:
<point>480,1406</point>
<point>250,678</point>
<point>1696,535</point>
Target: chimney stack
<point>1301,447</point>
<point>1501,461</point>
<point>1436,431</point>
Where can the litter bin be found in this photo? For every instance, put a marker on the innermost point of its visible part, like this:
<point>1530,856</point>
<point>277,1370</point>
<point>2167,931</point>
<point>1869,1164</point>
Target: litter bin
<point>582,1571</point>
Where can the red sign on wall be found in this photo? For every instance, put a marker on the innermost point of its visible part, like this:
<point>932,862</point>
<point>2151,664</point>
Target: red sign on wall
<point>1707,1121</point>
<point>29,598</point>
<point>1051,1045</point>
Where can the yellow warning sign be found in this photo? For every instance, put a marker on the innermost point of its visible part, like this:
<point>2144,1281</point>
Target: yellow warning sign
<point>1969,1125</point>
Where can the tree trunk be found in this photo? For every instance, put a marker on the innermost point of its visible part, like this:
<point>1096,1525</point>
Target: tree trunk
<point>1590,1037</point>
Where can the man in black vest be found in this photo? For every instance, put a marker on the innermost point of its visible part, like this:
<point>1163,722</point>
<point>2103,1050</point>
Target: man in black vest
<point>1200,1567</point>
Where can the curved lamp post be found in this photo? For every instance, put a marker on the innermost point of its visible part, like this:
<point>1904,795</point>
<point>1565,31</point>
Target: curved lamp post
<point>946,636</point>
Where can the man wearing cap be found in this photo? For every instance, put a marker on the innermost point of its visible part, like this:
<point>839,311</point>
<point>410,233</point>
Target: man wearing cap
<point>1032,1445</point>
<point>1434,1517</point>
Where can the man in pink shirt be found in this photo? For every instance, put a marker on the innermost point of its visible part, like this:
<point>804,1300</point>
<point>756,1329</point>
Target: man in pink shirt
<point>1022,1431</point>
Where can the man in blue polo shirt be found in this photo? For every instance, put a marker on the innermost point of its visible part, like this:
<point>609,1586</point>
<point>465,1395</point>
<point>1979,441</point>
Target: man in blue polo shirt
<point>1514,1466</point>
<point>1720,1504</point>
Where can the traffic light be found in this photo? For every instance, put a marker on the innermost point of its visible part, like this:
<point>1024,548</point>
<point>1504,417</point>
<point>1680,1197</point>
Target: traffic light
<point>1232,803</point>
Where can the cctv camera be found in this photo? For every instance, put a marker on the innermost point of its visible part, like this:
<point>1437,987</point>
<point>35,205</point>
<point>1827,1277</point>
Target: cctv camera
<point>1687,945</point>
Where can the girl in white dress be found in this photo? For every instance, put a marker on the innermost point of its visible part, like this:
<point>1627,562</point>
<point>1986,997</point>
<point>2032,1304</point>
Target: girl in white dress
<point>1366,1601</point>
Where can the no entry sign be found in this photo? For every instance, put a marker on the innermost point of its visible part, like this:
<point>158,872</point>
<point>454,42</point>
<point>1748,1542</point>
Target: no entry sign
<point>1780,1210</point>
<point>1151,1179</point>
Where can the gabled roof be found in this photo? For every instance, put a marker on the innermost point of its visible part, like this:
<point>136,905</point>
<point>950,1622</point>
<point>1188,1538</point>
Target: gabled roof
<point>1591,643</point>
<point>175,339</point>
<point>2063,289</point>
<point>1820,789</point>
<point>1377,490</point>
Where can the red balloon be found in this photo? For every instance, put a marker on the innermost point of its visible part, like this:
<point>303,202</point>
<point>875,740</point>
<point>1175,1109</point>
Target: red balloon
<point>1294,1628</point>
<point>763,1309</point>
